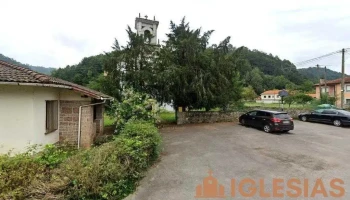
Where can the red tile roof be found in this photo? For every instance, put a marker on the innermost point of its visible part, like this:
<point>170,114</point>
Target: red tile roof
<point>15,74</point>
<point>336,81</point>
<point>270,92</point>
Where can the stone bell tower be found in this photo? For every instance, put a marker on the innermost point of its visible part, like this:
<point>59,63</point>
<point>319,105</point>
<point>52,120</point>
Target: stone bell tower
<point>146,26</point>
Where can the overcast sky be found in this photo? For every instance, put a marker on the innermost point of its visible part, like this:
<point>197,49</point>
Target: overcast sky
<point>59,33</point>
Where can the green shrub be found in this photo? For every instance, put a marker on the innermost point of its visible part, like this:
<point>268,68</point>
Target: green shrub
<point>19,171</point>
<point>109,171</point>
<point>134,106</point>
<point>52,155</point>
<point>146,134</point>
<point>16,173</point>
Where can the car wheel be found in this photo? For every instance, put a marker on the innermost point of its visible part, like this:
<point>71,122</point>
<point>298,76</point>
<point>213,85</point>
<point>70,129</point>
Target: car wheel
<point>303,118</point>
<point>243,122</point>
<point>337,122</point>
<point>285,131</point>
<point>267,128</point>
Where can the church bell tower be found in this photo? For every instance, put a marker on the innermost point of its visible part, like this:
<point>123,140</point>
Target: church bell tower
<point>145,26</point>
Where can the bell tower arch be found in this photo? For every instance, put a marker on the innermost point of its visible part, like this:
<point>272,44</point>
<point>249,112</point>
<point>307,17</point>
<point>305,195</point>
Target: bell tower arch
<point>145,26</point>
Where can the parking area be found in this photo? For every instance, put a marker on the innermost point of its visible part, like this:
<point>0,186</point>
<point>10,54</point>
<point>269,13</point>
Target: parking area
<point>311,151</point>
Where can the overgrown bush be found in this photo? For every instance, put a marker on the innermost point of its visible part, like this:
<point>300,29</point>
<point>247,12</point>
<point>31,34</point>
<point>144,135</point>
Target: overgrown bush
<point>134,106</point>
<point>16,173</point>
<point>145,132</point>
<point>53,155</point>
<point>19,171</point>
<point>109,171</point>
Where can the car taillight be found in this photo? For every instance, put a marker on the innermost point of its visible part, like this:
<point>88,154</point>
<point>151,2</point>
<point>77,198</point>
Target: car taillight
<point>275,120</point>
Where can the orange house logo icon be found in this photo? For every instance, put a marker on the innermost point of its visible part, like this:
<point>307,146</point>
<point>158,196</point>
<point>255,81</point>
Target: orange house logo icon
<point>210,188</point>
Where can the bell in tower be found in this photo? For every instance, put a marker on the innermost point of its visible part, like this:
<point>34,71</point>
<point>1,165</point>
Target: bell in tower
<point>147,27</point>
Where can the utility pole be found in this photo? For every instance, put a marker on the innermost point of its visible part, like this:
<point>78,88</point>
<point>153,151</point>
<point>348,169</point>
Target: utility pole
<point>343,77</point>
<point>319,78</point>
<point>325,83</point>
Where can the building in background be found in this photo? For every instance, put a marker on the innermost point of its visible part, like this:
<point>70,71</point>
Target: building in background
<point>333,89</point>
<point>145,26</point>
<point>269,96</point>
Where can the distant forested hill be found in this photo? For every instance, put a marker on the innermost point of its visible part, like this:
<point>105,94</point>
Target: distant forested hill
<point>313,74</point>
<point>87,70</point>
<point>44,70</point>
<point>272,65</point>
<point>260,70</point>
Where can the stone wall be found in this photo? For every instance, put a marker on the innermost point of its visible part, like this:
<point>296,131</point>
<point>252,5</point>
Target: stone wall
<point>88,127</point>
<point>69,122</point>
<point>194,117</point>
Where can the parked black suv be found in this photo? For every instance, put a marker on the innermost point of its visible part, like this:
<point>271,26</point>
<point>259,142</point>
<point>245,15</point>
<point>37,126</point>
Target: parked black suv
<point>268,120</point>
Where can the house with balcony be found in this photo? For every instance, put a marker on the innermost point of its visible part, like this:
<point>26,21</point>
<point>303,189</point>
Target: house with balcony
<point>333,89</point>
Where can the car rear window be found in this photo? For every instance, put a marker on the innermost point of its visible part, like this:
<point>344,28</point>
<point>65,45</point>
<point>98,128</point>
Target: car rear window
<point>282,116</point>
<point>344,112</point>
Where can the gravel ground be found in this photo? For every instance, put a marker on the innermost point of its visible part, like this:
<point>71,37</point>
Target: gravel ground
<point>311,151</point>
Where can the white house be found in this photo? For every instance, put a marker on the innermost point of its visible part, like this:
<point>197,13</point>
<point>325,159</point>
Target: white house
<point>269,96</point>
<point>39,109</point>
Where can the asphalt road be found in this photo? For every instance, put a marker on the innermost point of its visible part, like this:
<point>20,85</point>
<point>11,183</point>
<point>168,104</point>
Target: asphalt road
<point>311,151</point>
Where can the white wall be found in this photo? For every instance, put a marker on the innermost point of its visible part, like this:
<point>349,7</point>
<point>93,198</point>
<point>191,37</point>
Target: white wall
<point>16,114</point>
<point>274,98</point>
<point>40,96</point>
<point>23,117</point>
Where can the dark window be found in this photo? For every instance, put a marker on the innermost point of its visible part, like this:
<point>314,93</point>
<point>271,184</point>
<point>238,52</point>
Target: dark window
<point>95,112</point>
<point>347,88</point>
<point>282,116</point>
<point>319,111</point>
<point>269,96</point>
<point>344,112</point>
<point>253,113</point>
<point>329,112</point>
<point>347,101</point>
<point>262,114</point>
<point>51,116</point>
<point>265,97</point>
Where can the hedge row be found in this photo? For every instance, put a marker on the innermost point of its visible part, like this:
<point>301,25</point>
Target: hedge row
<point>109,171</point>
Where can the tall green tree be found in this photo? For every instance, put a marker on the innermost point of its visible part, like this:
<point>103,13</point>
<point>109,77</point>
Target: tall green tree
<point>255,78</point>
<point>185,71</point>
<point>248,93</point>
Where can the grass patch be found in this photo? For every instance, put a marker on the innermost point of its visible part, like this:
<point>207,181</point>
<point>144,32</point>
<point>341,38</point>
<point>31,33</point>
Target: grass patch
<point>167,117</point>
<point>108,121</point>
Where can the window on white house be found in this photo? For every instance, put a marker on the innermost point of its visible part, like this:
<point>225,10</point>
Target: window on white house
<point>51,116</point>
<point>269,96</point>
<point>347,88</point>
<point>264,97</point>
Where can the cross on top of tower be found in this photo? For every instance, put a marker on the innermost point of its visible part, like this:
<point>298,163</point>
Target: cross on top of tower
<point>146,16</point>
